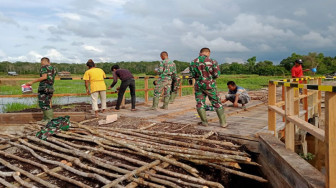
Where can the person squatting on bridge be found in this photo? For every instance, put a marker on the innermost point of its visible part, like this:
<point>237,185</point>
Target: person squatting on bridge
<point>45,89</point>
<point>95,76</point>
<point>236,95</point>
<point>205,71</point>
<point>166,69</point>
<point>127,80</point>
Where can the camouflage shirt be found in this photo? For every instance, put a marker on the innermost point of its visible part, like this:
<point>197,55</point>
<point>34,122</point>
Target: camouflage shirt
<point>47,84</point>
<point>166,69</point>
<point>205,70</point>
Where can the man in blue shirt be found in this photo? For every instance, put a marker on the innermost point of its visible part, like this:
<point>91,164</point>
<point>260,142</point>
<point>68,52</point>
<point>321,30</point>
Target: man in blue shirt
<point>236,95</point>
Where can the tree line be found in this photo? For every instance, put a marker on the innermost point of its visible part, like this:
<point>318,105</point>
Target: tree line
<point>324,64</point>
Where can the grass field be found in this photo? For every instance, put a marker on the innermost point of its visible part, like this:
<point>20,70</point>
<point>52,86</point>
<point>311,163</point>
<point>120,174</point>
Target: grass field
<point>13,87</point>
<point>250,82</point>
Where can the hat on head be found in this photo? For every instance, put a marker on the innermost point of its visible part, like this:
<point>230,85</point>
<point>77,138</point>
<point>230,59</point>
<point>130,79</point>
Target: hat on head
<point>298,61</point>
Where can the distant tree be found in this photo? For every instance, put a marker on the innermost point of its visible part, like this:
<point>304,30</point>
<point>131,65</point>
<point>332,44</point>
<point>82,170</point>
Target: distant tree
<point>288,63</point>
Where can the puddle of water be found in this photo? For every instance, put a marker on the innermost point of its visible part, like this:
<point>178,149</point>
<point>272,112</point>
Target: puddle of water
<point>55,100</point>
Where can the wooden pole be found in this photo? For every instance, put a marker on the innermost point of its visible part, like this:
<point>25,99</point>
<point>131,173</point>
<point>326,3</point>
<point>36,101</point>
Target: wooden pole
<point>146,89</point>
<point>305,101</point>
<point>123,102</point>
<point>271,113</point>
<point>290,128</point>
<point>283,99</point>
<point>180,89</point>
<point>193,84</point>
<point>330,139</point>
<point>315,100</point>
<point>296,102</point>
<point>319,98</point>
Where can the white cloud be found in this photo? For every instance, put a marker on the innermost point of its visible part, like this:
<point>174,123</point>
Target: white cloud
<point>71,16</point>
<point>264,47</point>
<point>316,39</point>
<point>300,12</point>
<point>218,44</point>
<point>92,48</point>
<point>7,20</point>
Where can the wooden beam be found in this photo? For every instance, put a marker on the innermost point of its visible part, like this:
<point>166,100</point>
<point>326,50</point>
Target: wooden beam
<point>277,110</point>
<point>290,128</point>
<point>330,140</point>
<point>271,101</point>
<point>26,117</point>
<point>315,131</point>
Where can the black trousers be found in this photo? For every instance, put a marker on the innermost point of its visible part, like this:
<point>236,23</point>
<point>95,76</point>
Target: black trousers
<point>123,86</point>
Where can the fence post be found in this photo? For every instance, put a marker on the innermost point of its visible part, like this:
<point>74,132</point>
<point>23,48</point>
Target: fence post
<point>146,89</point>
<point>330,139</point>
<point>193,84</point>
<point>180,88</point>
<point>319,98</point>
<point>283,99</point>
<point>271,113</point>
<point>290,128</point>
<point>305,101</point>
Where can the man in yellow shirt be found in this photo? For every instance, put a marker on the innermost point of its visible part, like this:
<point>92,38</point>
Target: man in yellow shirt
<point>95,76</point>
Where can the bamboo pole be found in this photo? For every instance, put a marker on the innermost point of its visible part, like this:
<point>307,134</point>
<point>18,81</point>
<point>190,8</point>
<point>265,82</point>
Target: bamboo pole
<point>7,184</point>
<point>44,168</point>
<point>31,176</point>
<point>150,154</point>
<point>134,172</point>
<point>16,176</point>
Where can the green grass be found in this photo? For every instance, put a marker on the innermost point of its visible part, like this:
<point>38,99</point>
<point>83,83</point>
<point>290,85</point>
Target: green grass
<point>12,107</point>
<point>249,82</point>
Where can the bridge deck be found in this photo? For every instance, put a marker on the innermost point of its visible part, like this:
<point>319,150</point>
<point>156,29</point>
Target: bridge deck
<point>241,123</point>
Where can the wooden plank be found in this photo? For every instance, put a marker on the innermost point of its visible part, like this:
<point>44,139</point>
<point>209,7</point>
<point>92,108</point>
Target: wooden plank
<point>271,101</point>
<point>277,110</point>
<point>330,140</point>
<point>22,118</point>
<point>317,132</point>
<point>290,128</point>
<point>288,169</point>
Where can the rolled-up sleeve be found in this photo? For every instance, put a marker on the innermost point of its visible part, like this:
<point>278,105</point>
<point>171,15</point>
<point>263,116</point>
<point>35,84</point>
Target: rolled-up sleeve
<point>115,79</point>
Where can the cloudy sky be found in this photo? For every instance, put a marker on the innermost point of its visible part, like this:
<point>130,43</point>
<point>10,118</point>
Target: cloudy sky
<point>136,30</point>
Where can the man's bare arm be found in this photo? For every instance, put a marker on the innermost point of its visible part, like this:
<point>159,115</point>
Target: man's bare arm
<point>43,77</point>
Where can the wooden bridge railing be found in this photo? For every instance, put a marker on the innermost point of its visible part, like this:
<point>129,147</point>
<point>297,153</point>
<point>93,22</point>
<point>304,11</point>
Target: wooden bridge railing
<point>145,90</point>
<point>289,109</point>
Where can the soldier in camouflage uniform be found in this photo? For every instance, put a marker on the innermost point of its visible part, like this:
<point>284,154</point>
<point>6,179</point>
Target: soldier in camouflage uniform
<point>46,89</point>
<point>205,71</point>
<point>166,69</point>
<point>176,81</point>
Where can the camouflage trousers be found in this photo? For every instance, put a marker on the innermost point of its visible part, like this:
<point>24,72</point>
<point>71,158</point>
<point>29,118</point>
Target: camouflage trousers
<point>44,100</point>
<point>162,84</point>
<point>201,94</point>
<point>175,85</point>
<point>54,126</point>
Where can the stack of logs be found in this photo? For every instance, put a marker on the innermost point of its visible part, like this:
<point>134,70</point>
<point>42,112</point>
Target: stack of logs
<point>131,157</point>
